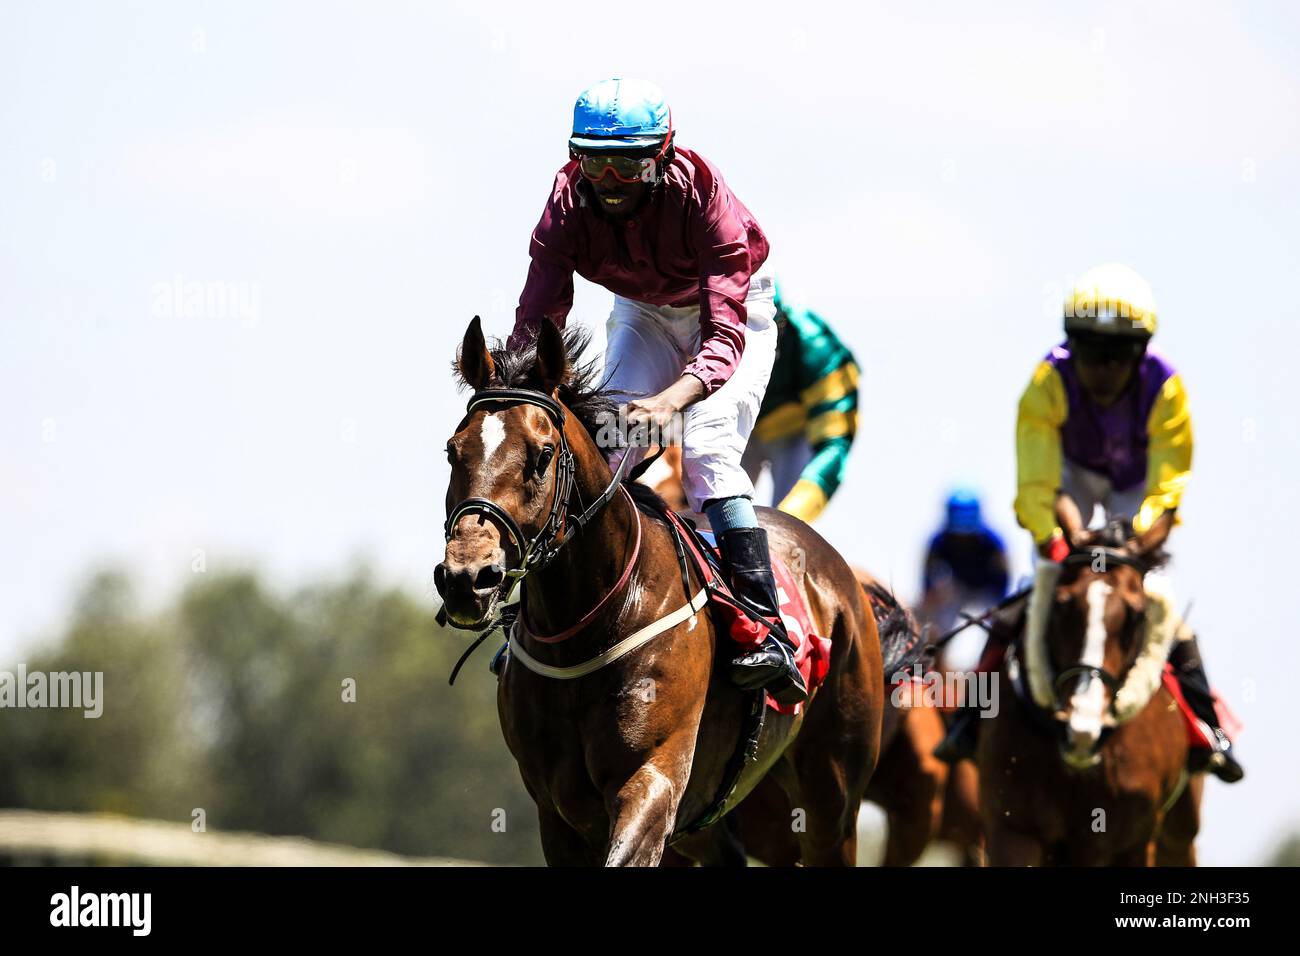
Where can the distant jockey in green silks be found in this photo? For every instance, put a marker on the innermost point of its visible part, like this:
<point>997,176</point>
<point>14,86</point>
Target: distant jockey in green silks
<point>809,413</point>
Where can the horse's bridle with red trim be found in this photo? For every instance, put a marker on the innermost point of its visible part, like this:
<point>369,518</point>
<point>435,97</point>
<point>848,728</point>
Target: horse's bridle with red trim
<point>560,526</point>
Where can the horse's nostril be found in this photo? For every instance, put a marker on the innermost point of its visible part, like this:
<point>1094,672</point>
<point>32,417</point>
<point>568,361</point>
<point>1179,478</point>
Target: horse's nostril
<point>440,580</point>
<point>489,577</point>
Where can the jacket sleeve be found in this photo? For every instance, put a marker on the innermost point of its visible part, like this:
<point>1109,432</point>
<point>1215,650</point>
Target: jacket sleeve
<point>830,403</point>
<point>1169,454</point>
<point>725,268</point>
<point>1042,412</point>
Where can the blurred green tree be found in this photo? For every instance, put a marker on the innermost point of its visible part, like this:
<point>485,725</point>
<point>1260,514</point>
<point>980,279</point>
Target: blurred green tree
<point>1287,852</point>
<point>324,714</point>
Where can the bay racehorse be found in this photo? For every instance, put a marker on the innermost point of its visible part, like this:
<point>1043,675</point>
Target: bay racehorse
<point>625,733</point>
<point>1086,765</point>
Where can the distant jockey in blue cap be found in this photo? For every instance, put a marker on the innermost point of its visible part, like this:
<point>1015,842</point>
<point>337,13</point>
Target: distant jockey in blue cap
<point>965,564</point>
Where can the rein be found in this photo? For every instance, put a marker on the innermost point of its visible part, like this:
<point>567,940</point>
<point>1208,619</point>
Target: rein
<point>587,618</point>
<point>1107,555</point>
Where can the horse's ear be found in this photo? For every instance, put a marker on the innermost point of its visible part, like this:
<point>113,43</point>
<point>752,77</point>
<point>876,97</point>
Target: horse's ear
<point>1069,518</point>
<point>552,364</point>
<point>1153,539</point>
<point>474,362</point>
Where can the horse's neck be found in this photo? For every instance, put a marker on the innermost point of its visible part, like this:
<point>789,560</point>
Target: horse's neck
<point>589,566</point>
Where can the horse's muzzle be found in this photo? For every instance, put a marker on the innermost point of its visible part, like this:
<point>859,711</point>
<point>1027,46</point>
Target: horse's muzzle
<point>469,592</point>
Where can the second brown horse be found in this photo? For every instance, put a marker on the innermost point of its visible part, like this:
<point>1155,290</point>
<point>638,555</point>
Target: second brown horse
<point>1077,786</point>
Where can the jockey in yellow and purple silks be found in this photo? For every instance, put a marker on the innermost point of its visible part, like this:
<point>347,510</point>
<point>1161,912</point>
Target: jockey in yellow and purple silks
<point>691,335</point>
<point>1105,420</point>
<point>809,413</point>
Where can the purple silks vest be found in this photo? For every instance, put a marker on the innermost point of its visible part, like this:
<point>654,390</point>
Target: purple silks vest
<point>1110,441</point>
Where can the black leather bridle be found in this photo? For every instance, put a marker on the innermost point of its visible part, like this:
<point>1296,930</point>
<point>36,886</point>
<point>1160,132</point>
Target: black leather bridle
<point>560,526</point>
<point>1107,556</point>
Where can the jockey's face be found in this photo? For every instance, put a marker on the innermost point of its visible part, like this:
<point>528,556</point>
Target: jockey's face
<point>616,197</point>
<point>1105,370</point>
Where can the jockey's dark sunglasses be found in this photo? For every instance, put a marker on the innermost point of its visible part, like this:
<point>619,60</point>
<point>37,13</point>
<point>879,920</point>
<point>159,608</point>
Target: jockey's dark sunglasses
<point>1106,350</point>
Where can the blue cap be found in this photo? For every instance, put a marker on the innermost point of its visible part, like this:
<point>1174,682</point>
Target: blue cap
<point>620,114</point>
<point>964,511</point>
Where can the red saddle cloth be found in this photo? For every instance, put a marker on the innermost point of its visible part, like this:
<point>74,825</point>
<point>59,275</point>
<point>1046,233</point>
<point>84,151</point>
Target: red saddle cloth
<point>1197,731</point>
<point>812,651</point>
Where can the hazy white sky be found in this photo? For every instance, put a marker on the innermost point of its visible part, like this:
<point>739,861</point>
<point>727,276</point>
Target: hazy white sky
<point>349,183</point>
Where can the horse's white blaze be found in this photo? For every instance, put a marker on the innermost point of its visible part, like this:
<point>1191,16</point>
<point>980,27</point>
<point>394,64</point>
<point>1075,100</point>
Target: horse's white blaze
<point>1089,699</point>
<point>493,434</point>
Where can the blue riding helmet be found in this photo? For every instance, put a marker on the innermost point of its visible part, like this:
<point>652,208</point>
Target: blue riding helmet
<point>964,512</point>
<point>621,114</point>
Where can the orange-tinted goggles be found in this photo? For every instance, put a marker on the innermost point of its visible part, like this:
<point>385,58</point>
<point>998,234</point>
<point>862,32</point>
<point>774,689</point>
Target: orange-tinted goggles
<point>626,169</point>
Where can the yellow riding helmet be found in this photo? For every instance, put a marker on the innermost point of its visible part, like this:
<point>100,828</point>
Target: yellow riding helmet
<point>1111,299</point>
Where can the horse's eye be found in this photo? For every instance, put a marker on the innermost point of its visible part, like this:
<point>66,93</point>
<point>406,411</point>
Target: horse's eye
<point>451,454</point>
<point>544,458</point>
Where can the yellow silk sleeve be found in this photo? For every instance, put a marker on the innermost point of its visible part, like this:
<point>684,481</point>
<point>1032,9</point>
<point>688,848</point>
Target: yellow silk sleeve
<point>1169,453</point>
<point>1042,412</point>
<point>805,500</point>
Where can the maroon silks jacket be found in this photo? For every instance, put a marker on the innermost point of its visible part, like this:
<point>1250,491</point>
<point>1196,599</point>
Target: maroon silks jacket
<point>692,243</point>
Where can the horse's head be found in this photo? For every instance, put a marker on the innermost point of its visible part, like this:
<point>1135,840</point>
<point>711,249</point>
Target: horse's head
<point>511,472</point>
<point>529,443</point>
<point>1095,629</point>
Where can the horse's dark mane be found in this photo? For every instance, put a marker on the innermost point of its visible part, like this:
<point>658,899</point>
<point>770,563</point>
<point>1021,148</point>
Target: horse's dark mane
<point>1117,534</point>
<point>901,645</point>
<point>583,391</point>
<point>648,500</point>
<point>1114,535</point>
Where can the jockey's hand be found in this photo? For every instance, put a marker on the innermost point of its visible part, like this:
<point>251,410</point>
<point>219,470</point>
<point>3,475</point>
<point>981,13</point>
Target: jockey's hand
<point>659,412</point>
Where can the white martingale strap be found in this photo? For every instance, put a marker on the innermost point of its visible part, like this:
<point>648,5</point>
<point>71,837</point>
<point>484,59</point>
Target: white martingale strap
<point>621,649</point>
<point>1160,628</point>
<point>1037,667</point>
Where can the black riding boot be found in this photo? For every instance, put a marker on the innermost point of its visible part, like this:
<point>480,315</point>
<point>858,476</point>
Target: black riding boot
<point>749,571</point>
<point>1186,659</point>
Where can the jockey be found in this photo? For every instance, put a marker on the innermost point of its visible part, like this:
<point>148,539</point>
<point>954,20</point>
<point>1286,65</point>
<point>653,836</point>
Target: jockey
<point>1106,422</point>
<point>965,564</point>
<point>809,415</point>
<point>691,333</point>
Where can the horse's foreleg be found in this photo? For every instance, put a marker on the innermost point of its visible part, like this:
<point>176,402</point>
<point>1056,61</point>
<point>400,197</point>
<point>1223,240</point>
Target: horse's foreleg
<point>642,813</point>
<point>1176,843</point>
<point>909,785</point>
<point>960,823</point>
